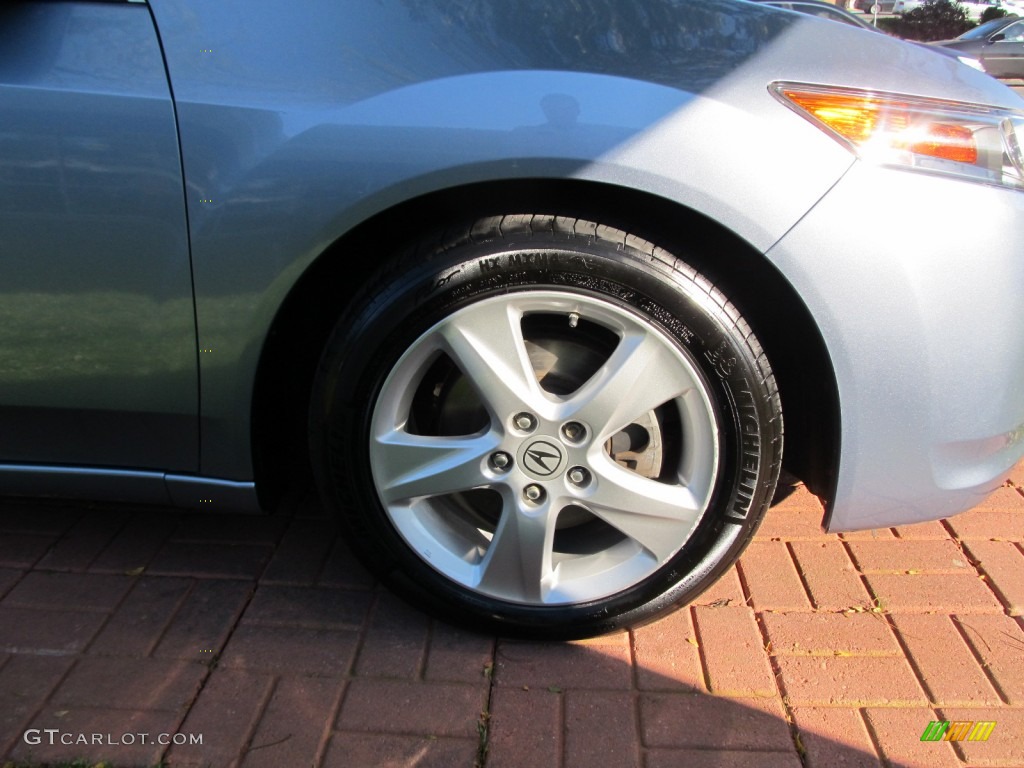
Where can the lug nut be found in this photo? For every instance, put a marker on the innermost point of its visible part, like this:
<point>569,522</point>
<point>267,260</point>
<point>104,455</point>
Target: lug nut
<point>524,421</point>
<point>578,476</point>
<point>533,493</point>
<point>573,431</point>
<point>501,460</point>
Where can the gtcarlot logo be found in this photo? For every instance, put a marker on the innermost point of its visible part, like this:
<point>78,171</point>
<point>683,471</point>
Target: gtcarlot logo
<point>958,730</point>
<point>51,736</point>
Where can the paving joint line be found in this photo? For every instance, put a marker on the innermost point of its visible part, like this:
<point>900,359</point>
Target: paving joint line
<point>17,581</point>
<point>483,727</point>
<point>42,705</point>
<point>247,747</point>
<point>634,689</point>
<point>428,644</point>
<point>794,732</point>
<point>562,746</point>
<point>83,654</point>
<point>324,558</point>
<point>783,692</point>
<point>886,616</point>
<point>212,665</point>
<point>873,735</point>
<point>1003,599</point>
<point>193,584</point>
<point>371,611</point>
<point>800,575</point>
<point>54,540</point>
<point>124,525</point>
<point>905,651</point>
<point>875,601</point>
<point>975,563</point>
<point>334,712</point>
<point>875,739</point>
<point>958,750</point>
<point>348,675</point>
<point>181,720</point>
<point>698,636</point>
<point>961,628</point>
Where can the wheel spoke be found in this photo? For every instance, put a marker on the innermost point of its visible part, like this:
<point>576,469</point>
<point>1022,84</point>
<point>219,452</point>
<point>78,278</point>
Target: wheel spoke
<point>660,517</point>
<point>487,344</point>
<point>511,555</point>
<point>518,561</point>
<point>408,466</point>
<point>641,374</point>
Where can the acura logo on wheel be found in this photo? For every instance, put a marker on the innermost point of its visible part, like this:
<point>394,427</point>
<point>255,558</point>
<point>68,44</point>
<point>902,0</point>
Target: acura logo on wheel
<point>542,458</point>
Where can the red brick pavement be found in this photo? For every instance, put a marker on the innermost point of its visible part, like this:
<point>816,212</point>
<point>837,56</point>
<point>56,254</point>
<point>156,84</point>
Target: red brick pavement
<point>263,637</point>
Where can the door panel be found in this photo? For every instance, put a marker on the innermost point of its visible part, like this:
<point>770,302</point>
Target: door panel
<point>1005,57</point>
<point>97,329</point>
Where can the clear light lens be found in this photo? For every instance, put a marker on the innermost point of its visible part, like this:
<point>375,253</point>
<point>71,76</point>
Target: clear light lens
<point>971,141</point>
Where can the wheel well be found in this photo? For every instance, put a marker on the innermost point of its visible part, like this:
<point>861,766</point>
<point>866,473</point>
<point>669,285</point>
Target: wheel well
<point>785,328</point>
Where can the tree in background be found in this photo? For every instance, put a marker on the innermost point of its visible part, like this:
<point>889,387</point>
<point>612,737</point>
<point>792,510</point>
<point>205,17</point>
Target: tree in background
<point>993,12</point>
<point>935,20</point>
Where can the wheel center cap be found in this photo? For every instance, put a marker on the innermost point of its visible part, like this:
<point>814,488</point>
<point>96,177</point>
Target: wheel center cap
<point>542,458</point>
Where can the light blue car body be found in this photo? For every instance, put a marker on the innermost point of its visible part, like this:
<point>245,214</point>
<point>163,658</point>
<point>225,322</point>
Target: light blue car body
<point>178,179</point>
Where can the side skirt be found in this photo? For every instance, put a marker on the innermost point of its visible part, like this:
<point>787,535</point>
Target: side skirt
<point>128,486</point>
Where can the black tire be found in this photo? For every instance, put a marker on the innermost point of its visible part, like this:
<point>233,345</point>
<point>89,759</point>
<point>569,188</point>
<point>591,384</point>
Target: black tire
<point>391,397</point>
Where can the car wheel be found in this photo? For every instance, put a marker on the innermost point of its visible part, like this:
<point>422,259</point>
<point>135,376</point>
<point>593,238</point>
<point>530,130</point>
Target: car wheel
<point>545,427</point>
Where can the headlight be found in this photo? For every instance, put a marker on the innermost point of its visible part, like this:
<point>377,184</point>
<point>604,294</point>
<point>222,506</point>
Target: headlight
<point>971,141</point>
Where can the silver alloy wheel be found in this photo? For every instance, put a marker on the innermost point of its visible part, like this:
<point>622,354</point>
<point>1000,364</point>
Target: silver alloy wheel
<point>539,511</point>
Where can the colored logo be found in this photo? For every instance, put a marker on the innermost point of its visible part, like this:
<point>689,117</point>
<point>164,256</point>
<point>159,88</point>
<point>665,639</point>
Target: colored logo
<point>958,730</point>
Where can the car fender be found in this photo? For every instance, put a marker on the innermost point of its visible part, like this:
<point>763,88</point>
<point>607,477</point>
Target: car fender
<point>284,157</point>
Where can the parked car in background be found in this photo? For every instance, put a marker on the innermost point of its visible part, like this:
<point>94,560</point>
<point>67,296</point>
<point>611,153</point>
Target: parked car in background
<point>830,12</point>
<point>820,9</point>
<point>997,44</point>
<point>976,8</point>
<point>885,6</point>
<point>535,290</point>
<point>905,6</point>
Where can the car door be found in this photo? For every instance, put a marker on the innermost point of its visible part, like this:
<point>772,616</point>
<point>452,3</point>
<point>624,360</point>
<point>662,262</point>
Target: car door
<point>1004,54</point>
<point>97,330</point>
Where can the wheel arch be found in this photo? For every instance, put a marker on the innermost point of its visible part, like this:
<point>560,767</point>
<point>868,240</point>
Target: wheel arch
<point>787,331</point>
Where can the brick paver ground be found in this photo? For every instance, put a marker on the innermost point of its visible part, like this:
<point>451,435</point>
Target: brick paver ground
<point>264,638</point>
